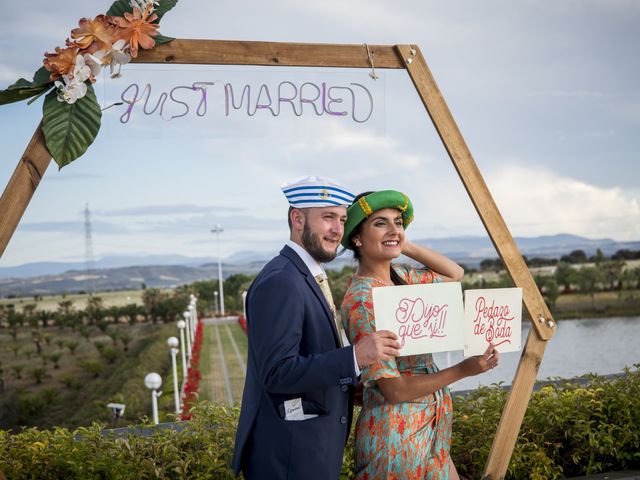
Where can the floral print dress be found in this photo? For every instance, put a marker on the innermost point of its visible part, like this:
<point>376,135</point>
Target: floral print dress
<point>405,441</point>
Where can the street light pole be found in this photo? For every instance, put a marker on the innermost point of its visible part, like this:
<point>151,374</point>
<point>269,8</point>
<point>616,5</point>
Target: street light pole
<point>173,343</point>
<point>218,230</point>
<point>183,348</point>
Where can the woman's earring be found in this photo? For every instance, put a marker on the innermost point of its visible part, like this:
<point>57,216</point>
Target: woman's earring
<point>358,243</point>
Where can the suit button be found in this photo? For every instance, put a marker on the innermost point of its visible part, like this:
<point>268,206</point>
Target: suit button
<point>344,388</point>
<point>343,420</point>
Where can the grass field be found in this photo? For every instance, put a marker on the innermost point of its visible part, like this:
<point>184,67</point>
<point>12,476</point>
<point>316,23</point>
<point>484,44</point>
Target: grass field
<point>50,303</point>
<point>223,363</point>
<point>85,380</point>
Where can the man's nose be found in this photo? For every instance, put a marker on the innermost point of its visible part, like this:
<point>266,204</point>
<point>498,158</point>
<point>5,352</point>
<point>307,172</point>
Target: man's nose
<point>337,226</point>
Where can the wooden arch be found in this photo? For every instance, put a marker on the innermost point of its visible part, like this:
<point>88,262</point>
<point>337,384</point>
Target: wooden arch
<point>36,159</point>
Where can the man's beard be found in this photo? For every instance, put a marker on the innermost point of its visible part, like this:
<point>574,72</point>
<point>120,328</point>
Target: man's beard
<point>311,243</point>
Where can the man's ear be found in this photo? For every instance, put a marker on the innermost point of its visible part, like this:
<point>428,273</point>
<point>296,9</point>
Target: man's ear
<point>297,219</point>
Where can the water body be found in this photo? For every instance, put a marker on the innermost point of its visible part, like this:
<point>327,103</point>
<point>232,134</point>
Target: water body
<point>595,345</point>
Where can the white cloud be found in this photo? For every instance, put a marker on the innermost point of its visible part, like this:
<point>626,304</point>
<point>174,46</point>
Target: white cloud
<point>535,201</point>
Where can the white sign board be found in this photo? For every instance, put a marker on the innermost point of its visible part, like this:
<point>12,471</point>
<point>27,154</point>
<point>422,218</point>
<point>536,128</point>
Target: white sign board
<point>492,315</point>
<point>426,318</point>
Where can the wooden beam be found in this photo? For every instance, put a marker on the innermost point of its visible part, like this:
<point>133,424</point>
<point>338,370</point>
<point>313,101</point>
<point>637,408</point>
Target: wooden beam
<point>22,185</point>
<point>225,52</point>
<point>476,188</point>
<point>544,325</point>
<point>515,407</point>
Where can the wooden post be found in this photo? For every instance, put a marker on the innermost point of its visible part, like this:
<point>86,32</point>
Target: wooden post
<point>477,189</point>
<point>22,185</point>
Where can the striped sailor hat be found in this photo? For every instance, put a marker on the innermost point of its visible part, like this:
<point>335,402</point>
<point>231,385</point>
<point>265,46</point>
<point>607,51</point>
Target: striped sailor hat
<point>310,191</point>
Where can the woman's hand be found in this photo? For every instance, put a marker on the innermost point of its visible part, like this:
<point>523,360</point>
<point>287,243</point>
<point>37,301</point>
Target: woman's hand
<point>448,270</point>
<point>481,363</point>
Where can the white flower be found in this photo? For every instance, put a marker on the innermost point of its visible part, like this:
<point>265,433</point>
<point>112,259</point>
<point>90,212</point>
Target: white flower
<point>94,61</point>
<point>81,71</point>
<point>71,89</point>
<point>143,4</point>
<point>118,57</point>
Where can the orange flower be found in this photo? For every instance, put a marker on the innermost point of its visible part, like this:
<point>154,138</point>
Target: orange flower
<point>61,62</point>
<point>93,35</point>
<point>136,29</point>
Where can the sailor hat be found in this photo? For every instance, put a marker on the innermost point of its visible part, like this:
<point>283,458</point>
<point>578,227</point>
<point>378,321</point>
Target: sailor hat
<point>311,191</point>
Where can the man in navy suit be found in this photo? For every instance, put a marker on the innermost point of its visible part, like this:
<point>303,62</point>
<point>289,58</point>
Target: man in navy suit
<point>296,407</point>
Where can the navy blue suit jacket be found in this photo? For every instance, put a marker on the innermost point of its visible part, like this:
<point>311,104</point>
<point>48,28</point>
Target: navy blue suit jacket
<point>294,352</point>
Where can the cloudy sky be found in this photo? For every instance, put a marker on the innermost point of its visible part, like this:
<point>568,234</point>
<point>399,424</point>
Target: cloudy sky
<point>546,94</point>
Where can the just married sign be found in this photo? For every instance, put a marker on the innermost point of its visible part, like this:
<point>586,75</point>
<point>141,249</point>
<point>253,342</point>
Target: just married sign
<point>431,318</point>
<point>426,318</point>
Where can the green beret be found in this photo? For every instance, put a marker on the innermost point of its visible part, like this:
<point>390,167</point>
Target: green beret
<point>363,207</point>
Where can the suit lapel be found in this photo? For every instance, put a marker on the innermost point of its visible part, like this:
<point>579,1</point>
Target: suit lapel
<point>313,284</point>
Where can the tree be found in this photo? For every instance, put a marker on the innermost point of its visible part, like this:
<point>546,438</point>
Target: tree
<point>110,354</point>
<point>113,335</point>
<point>630,278</point>
<point>72,345</point>
<point>55,358</point>
<point>17,371</point>
<point>36,336</point>
<point>91,366</point>
<point>565,276</point>
<point>38,373</point>
<point>65,307</point>
<point>125,338</point>
<point>95,310</point>
<point>576,256</point>
<point>85,332</point>
<point>131,311</point>
<point>612,272</point>
<point>549,289</point>
<point>588,280</point>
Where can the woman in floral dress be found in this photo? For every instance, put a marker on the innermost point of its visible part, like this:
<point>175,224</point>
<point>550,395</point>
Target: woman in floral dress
<point>404,428</point>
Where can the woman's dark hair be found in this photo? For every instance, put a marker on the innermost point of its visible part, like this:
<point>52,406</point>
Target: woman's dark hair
<point>395,278</point>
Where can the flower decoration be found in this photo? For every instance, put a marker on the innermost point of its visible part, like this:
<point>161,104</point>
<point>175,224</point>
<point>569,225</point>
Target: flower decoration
<point>71,114</point>
<point>137,29</point>
<point>105,40</point>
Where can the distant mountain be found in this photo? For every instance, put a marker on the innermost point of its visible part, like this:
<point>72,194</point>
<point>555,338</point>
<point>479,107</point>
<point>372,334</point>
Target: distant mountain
<point>127,272</point>
<point>54,268</point>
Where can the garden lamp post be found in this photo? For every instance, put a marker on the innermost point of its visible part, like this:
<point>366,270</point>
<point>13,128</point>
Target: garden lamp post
<point>194,319</point>
<point>188,327</point>
<point>173,343</point>
<point>215,303</point>
<point>194,302</point>
<point>218,230</point>
<point>153,382</point>
<point>181,326</point>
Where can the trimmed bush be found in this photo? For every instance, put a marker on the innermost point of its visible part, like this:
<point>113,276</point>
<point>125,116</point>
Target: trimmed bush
<point>569,430</point>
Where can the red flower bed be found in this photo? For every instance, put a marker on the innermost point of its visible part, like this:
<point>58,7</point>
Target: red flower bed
<point>190,392</point>
<point>243,323</point>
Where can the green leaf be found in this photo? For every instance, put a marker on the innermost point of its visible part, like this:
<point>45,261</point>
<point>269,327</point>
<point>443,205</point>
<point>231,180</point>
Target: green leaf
<point>163,7</point>
<point>41,76</point>
<point>119,8</point>
<point>21,90</point>
<point>69,129</point>
<point>160,39</point>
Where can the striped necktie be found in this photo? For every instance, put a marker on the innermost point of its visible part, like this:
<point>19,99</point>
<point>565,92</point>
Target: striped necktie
<point>323,283</point>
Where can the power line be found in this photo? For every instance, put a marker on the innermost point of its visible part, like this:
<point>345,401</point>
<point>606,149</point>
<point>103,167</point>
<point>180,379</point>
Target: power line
<point>88,247</point>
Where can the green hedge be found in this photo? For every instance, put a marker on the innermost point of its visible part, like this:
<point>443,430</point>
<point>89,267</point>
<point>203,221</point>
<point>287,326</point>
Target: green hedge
<point>569,430</point>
